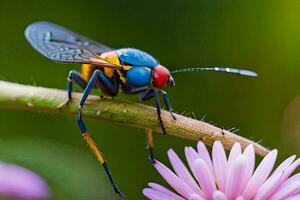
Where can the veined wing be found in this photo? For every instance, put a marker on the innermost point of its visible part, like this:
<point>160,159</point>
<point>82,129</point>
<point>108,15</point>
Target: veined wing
<point>60,44</point>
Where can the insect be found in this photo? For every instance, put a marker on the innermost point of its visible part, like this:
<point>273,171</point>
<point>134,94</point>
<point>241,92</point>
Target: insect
<point>131,70</point>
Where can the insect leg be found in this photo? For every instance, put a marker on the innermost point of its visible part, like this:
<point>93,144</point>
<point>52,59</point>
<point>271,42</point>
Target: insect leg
<point>76,77</point>
<point>150,94</point>
<point>158,110</point>
<point>97,75</point>
<point>167,103</point>
<point>150,145</point>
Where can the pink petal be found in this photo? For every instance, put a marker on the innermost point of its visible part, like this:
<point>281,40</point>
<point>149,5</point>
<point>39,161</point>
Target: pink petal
<point>219,196</point>
<point>240,198</point>
<point>174,181</point>
<point>220,164</point>
<point>191,155</point>
<point>268,188</point>
<point>204,177</point>
<point>260,175</point>
<point>182,172</point>
<point>203,153</point>
<point>156,195</point>
<point>166,191</point>
<point>250,154</point>
<point>236,177</point>
<point>289,188</point>
<point>295,197</point>
<point>234,153</point>
<point>276,179</point>
<point>287,172</point>
<point>284,165</point>
<point>195,197</point>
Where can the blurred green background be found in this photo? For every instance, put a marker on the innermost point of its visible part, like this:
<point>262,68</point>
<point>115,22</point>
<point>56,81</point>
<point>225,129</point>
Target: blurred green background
<point>256,34</point>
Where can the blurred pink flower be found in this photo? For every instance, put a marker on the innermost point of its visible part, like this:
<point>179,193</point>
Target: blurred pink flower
<point>19,183</point>
<point>217,177</point>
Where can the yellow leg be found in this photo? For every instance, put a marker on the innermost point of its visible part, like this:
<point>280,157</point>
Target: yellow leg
<point>93,146</point>
<point>150,138</point>
<point>150,145</point>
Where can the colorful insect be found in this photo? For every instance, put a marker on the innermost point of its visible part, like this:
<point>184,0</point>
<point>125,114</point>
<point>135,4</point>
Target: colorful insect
<point>130,70</point>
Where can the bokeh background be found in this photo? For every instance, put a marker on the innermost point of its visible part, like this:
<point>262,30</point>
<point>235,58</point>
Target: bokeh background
<point>259,35</point>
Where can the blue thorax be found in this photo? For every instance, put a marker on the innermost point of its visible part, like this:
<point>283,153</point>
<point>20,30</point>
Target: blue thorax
<point>136,58</point>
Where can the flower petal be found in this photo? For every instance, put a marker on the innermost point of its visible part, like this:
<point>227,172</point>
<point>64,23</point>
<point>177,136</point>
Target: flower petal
<point>268,188</point>
<point>195,197</point>
<point>290,187</point>
<point>205,178</point>
<point>250,154</point>
<point>236,177</point>
<point>174,181</point>
<point>218,195</point>
<point>276,179</point>
<point>234,153</point>
<point>260,175</point>
<point>220,164</point>
<point>287,172</point>
<point>183,172</point>
<point>164,190</point>
<point>156,195</point>
<point>203,153</point>
<point>294,197</point>
<point>284,165</point>
<point>17,182</point>
<point>191,155</point>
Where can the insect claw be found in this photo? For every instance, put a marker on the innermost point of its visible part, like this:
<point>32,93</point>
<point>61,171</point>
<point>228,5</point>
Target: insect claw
<point>153,161</point>
<point>164,131</point>
<point>102,97</point>
<point>121,195</point>
<point>151,155</point>
<point>173,116</point>
<point>64,104</point>
<point>223,132</point>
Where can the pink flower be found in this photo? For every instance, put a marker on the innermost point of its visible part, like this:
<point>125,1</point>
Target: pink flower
<point>19,183</point>
<point>217,177</point>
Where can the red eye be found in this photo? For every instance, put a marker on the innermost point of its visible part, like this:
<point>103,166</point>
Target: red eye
<point>160,76</point>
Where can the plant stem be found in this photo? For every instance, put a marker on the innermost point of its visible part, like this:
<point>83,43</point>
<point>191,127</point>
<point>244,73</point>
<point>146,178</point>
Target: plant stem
<point>129,113</point>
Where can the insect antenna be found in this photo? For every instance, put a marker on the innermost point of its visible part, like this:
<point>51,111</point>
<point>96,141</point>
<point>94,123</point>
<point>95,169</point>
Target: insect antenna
<point>217,69</point>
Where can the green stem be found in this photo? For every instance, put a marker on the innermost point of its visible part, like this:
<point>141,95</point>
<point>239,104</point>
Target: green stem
<point>129,113</point>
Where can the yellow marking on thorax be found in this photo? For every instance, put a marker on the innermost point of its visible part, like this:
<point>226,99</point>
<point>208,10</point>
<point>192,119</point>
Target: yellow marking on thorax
<point>112,57</point>
<point>86,71</point>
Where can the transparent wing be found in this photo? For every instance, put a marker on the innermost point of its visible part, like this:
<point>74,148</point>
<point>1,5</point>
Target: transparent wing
<point>60,44</point>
